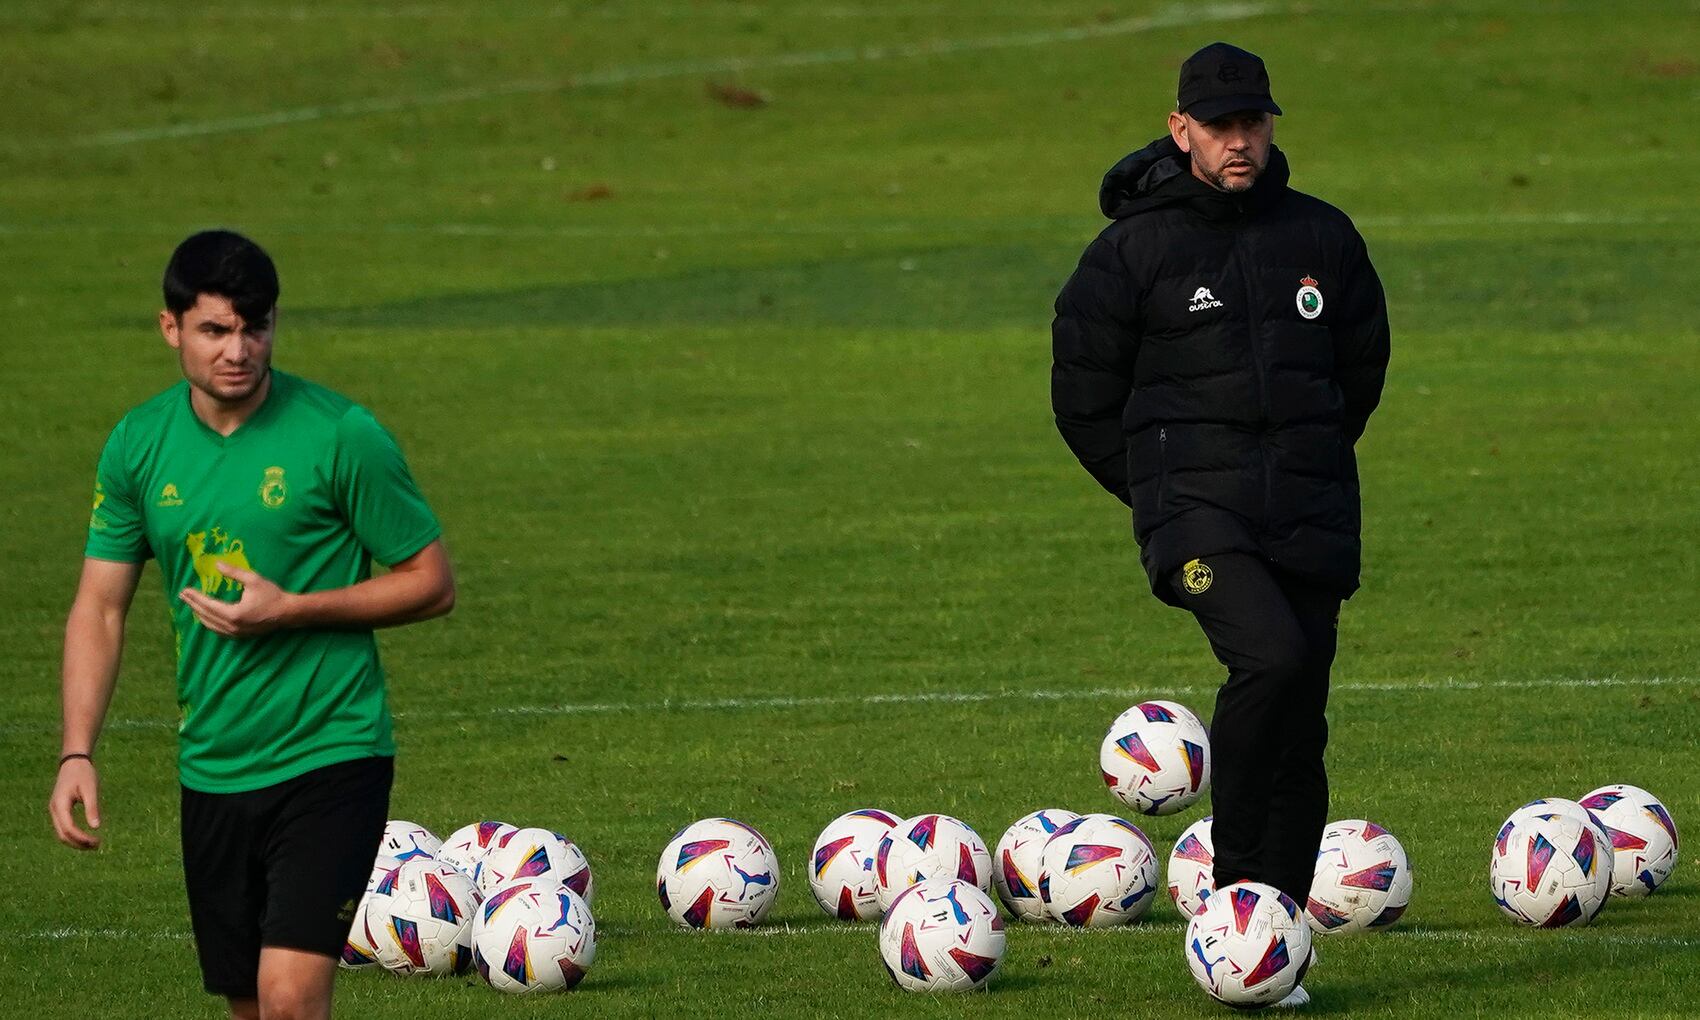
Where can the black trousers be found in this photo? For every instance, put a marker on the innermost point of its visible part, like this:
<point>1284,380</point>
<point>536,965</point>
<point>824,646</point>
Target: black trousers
<point>1269,790</point>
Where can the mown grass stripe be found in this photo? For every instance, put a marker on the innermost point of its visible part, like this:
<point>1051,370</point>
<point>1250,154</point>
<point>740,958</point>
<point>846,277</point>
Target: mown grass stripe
<point>1178,16</point>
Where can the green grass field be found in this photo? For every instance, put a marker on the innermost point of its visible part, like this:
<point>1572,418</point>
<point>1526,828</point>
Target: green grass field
<point>737,420</point>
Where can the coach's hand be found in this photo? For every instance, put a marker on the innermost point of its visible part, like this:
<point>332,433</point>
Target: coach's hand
<point>77,784</point>
<point>261,609</point>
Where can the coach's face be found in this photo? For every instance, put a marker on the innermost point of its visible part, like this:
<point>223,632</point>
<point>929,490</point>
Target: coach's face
<point>1228,153</point>
<point>222,355</point>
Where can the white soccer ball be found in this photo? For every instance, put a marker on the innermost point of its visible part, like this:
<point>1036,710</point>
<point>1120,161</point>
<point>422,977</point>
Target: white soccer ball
<point>467,845</point>
<point>1249,946</point>
<point>1156,758</point>
<point>929,846</point>
<point>1644,842</point>
<point>1098,871</point>
<point>1550,869</point>
<point>717,873</point>
<point>942,935</point>
<point>1015,865</point>
<point>533,935</point>
<point>1363,879</point>
<point>1546,807</point>
<point>1192,868</point>
<point>841,872</point>
<point>357,951</point>
<point>406,840</point>
<point>536,853</point>
<point>419,918</point>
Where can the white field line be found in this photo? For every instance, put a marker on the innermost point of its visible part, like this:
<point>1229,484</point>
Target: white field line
<point>1174,17</point>
<point>1126,695</point>
<point>1072,226</point>
<point>128,934</point>
<point>977,697</point>
<point>1171,929</point>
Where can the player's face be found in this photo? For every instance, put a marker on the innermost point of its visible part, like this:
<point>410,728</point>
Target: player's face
<point>222,355</point>
<point>1228,153</point>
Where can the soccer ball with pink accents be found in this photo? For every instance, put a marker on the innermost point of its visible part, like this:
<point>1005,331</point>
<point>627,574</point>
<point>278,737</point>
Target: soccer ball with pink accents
<point>841,871</point>
<point>419,918</point>
<point>1249,947</point>
<point>533,935</point>
<point>357,951</point>
<point>1156,758</point>
<point>1098,871</point>
<point>1015,864</point>
<point>536,853</point>
<point>1192,868</point>
<point>717,873</point>
<point>942,935</point>
<point>406,840</point>
<point>1362,880</point>
<point>1644,842</point>
<point>1550,869</point>
<point>929,846</point>
<point>1546,807</point>
<point>466,846</point>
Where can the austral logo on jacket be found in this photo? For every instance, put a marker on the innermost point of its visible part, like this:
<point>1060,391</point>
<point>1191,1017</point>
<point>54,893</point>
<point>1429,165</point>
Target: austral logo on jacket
<point>1202,299</point>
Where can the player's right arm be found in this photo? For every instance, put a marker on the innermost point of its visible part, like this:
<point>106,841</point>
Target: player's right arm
<point>94,639</point>
<point>117,547</point>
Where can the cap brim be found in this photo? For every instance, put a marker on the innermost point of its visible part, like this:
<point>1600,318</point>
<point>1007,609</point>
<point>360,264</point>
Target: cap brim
<point>1221,106</point>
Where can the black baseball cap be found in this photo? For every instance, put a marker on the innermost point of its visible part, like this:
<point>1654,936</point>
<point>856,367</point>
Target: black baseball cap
<point>1221,79</point>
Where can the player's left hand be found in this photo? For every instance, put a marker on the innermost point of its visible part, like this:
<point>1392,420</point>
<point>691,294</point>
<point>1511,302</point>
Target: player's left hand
<point>261,609</point>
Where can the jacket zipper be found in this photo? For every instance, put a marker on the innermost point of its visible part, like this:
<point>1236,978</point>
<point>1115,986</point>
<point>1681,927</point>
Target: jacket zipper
<point>1162,467</point>
<point>1262,383</point>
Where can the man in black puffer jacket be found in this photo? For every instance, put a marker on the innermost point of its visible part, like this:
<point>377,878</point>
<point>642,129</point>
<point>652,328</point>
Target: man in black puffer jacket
<point>1216,355</point>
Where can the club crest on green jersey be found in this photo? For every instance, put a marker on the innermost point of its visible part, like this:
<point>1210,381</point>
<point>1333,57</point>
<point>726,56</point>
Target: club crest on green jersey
<point>273,491</point>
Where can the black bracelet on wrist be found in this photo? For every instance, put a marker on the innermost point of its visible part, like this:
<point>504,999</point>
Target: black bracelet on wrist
<point>75,754</point>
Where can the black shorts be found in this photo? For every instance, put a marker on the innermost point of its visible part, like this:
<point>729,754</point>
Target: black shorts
<point>283,866</point>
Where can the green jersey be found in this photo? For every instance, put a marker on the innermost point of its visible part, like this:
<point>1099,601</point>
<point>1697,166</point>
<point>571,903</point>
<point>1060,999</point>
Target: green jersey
<point>306,493</point>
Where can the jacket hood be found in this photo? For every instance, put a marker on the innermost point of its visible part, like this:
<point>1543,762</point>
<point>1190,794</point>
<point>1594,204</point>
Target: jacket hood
<point>1160,174</point>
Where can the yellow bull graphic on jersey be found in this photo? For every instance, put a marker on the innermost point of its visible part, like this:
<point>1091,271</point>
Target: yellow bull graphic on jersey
<point>223,549</point>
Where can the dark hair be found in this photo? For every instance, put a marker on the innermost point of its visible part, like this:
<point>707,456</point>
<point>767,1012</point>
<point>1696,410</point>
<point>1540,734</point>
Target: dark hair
<point>224,263</point>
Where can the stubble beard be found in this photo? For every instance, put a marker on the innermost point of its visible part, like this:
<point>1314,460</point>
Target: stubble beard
<point>1219,179</point>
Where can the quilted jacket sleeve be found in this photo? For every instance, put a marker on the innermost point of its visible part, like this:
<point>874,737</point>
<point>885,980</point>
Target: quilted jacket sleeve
<point>1361,346</point>
<point>1094,341</point>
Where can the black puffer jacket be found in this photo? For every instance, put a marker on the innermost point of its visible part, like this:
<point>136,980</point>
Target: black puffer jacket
<point>1216,357</point>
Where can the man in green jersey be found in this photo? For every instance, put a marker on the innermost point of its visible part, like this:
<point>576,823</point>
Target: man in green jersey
<point>265,499</point>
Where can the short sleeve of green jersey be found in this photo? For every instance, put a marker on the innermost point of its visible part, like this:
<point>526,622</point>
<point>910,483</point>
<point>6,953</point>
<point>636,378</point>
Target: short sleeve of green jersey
<point>376,492</point>
<point>116,529</point>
